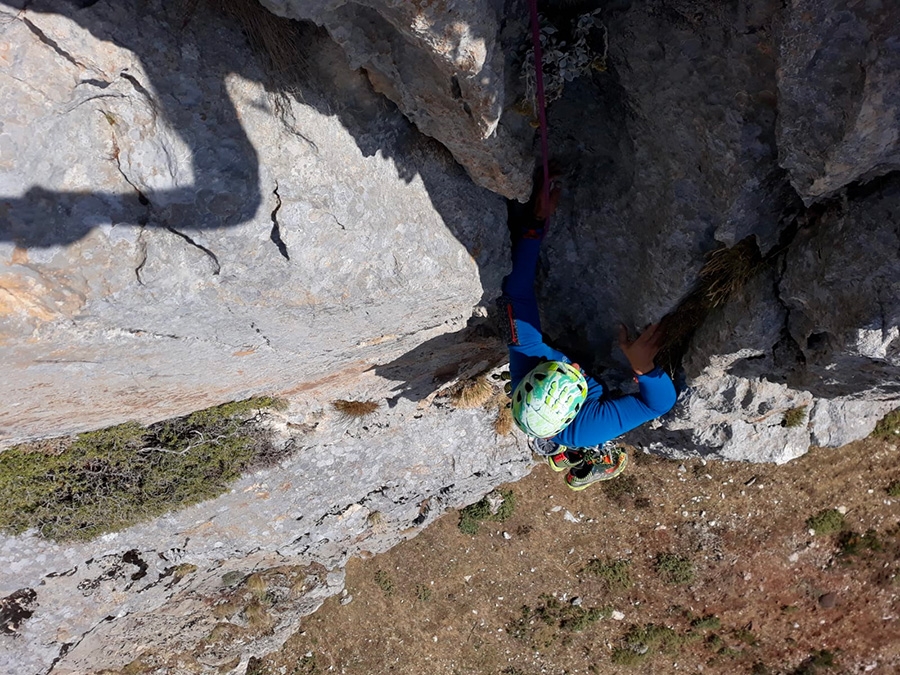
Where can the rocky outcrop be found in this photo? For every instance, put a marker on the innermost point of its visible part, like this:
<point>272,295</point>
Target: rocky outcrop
<point>175,235</point>
<point>183,226</point>
<point>680,150</point>
<point>838,94</point>
<point>178,590</point>
<point>443,65</point>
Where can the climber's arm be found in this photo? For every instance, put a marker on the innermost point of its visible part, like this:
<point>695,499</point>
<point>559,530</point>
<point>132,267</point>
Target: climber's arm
<point>601,420</point>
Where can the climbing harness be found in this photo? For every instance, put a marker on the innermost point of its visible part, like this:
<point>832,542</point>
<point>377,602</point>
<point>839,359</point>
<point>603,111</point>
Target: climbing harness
<point>541,104</point>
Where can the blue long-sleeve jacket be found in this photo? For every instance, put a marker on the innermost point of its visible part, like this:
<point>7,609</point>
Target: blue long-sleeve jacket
<point>600,419</point>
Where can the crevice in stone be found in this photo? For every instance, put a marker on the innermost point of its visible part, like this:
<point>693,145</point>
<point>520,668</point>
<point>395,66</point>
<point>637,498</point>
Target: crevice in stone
<point>50,42</point>
<point>68,646</point>
<point>142,252</point>
<point>212,256</point>
<point>141,89</point>
<point>275,235</point>
<point>138,331</point>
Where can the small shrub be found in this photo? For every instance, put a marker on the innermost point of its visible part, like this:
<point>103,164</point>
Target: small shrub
<point>893,489</point>
<point>503,422</point>
<point>616,574</point>
<point>794,417</point>
<point>472,393</point>
<point>384,582</point>
<point>423,593</point>
<point>852,544</point>
<point>746,636</point>
<point>543,624</point>
<point>889,426</point>
<point>257,585</point>
<point>710,622</point>
<point>496,506</point>
<point>826,521</point>
<point>643,641</point>
<point>257,615</point>
<point>674,569</point>
<point>354,409</point>
<point>182,570</point>
<point>110,479</point>
<point>817,661</point>
<point>621,486</point>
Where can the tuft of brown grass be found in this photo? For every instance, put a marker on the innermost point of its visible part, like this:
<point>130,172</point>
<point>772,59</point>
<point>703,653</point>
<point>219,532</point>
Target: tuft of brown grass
<point>503,423</point>
<point>257,616</point>
<point>472,393</point>
<point>727,271</point>
<point>257,585</point>
<point>355,408</point>
<point>794,417</point>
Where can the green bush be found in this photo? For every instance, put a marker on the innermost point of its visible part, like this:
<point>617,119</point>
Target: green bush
<point>710,622</point>
<point>110,479</point>
<point>794,417</point>
<point>616,574</point>
<point>889,426</point>
<point>674,569</point>
<point>826,521</point>
<point>472,515</point>
<point>641,642</point>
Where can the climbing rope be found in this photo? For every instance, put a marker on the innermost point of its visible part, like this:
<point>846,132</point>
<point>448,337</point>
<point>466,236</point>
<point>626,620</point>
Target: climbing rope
<point>539,96</point>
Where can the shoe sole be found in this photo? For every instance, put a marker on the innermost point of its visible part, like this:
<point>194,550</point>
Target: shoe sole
<point>615,474</point>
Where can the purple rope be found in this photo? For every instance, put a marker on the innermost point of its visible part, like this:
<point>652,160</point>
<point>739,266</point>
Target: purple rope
<point>539,82</point>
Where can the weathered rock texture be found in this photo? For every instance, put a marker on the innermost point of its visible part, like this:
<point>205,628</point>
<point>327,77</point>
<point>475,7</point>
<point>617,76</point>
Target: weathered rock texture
<point>180,227</point>
<point>838,94</point>
<point>176,590</point>
<point>171,240</point>
<point>681,149</point>
<point>442,64</point>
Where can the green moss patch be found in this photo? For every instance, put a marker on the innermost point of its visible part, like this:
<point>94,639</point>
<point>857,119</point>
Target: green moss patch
<point>889,426</point>
<point>472,515</point>
<point>110,479</point>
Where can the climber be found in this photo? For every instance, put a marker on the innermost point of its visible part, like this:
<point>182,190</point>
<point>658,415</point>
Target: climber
<point>561,408</point>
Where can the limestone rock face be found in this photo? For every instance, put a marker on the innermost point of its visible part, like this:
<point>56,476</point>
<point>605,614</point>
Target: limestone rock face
<point>180,226</point>
<point>166,219</point>
<point>679,149</point>
<point>442,64</point>
<point>838,94</point>
<point>177,589</point>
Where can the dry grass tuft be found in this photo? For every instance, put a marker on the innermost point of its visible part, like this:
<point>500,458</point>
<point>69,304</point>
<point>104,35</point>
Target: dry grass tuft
<point>257,585</point>
<point>257,616</point>
<point>727,271</point>
<point>355,408</point>
<point>472,393</point>
<point>503,423</point>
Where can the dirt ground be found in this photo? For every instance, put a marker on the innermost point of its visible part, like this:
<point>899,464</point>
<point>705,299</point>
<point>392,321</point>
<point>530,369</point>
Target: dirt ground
<point>674,567</point>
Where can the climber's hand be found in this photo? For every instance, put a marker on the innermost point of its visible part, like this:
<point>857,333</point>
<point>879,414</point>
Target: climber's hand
<point>640,352</point>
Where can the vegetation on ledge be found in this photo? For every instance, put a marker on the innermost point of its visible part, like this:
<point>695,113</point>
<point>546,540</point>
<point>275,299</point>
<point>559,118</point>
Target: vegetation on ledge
<point>109,479</point>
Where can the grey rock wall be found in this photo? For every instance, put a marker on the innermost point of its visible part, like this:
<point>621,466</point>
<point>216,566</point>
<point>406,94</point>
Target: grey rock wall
<point>693,140</point>
<point>179,227</point>
<point>174,235</point>
<point>443,65</point>
<point>838,94</point>
<point>175,590</point>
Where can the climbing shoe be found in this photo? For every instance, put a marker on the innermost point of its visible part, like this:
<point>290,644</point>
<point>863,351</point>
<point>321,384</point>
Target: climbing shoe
<point>565,460</point>
<point>604,463</point>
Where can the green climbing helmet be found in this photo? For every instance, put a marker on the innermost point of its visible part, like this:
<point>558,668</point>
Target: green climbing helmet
<point>547,399</point>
